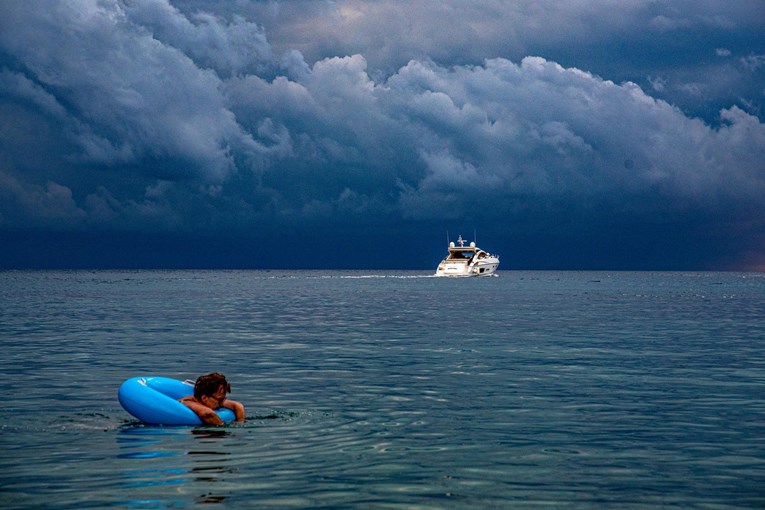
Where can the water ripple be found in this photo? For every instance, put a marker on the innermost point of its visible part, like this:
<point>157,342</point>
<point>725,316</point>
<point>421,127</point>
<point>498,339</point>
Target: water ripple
<point>391,390</point>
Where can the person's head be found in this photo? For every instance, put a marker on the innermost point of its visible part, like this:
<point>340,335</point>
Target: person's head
<point>211,389</point>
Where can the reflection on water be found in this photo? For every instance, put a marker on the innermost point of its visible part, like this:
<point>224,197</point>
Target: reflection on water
<point>210,433</point>
<point>196,460</point>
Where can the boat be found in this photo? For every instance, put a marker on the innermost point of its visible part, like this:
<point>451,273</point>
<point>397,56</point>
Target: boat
<point>467,261</point>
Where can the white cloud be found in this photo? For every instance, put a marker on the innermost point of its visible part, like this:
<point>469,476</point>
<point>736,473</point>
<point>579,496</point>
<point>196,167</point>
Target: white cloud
<point>229,48</point>
<point>753,62</point>
<point>667,23</point>
<point>570,133</point>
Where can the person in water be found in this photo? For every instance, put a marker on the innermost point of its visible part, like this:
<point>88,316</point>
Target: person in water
<point>210,394</point>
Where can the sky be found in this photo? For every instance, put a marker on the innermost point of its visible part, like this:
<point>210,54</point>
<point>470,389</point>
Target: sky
<point>605,135</point>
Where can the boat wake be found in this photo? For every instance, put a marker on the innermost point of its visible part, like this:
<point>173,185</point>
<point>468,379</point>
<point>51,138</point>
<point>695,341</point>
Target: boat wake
<point>381,276</point>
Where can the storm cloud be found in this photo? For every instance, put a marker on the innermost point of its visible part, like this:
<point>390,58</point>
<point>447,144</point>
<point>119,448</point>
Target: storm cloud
<point>147,120</point>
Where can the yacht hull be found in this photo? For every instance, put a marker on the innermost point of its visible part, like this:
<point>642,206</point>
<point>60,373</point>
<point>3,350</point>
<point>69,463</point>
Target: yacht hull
<point>484,267</point>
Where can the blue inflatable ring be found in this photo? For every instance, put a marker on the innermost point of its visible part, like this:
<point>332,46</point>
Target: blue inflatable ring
<point>154,400</point>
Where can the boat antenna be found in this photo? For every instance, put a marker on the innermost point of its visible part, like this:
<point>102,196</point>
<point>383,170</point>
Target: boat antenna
<point>447,238</point>
<point>475,237</point>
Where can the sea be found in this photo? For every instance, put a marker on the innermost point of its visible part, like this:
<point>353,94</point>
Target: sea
<point>388,389</point>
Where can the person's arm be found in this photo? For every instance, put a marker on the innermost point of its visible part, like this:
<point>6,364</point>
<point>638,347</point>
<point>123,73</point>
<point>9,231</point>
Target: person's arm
<point>237,407</point>
<point>207,415</point>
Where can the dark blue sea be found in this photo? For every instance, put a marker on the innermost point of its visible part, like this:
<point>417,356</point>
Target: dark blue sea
<point>392,390</point>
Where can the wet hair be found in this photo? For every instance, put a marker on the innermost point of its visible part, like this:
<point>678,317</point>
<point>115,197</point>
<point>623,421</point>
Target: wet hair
<point>209,384</point>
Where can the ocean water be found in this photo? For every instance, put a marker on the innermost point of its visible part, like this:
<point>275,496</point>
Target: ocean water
<point>388,389</point>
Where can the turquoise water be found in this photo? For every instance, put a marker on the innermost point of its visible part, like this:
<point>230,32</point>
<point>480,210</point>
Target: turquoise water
<point>388,389</point>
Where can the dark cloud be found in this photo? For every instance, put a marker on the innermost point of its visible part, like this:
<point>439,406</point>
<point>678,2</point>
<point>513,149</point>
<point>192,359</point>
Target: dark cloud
<point>641,41</point>
<point>195,130</point>
<point>127,95</point>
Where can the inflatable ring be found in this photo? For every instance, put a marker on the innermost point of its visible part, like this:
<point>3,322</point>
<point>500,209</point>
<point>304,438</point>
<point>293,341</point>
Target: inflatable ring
<point>154,400</point>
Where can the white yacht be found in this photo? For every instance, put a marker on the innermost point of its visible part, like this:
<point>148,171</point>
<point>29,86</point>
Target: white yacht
<point>467,261</point>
